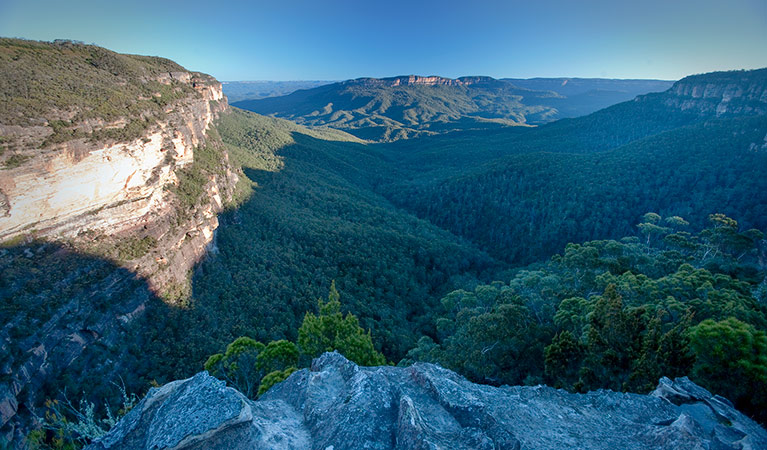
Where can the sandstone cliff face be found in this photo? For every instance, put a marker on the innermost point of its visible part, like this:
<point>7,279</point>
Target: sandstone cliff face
<point>81,190</point>
<point>435,81</point>
<point>414,80</point>
<point>118,202</point>
<point>721,94</point>
<point>338,405</point>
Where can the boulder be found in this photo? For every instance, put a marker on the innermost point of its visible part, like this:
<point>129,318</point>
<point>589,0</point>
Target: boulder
<point>337,405</point>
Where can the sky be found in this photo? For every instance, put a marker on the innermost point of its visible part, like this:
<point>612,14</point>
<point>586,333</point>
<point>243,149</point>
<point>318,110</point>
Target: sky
<point>343,39</point>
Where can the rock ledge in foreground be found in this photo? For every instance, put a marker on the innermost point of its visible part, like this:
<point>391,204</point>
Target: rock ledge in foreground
<point>339,405</point>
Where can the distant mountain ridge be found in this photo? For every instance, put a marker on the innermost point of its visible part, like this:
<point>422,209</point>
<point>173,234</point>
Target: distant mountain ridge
<point>237,91</point>
<point>434,80</point>
<point>575,86</point>
<point>402,107</point>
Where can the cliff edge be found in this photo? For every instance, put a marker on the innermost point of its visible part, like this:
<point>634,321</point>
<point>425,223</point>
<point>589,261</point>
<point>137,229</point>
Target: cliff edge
<point>110,166</point>
<point>339,405</point>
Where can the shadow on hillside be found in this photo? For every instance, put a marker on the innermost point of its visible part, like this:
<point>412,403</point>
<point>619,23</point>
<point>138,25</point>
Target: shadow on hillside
<point>72,323</point>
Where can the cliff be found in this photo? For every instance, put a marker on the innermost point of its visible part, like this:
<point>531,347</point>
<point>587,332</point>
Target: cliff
<point>108,163</point>
<point>721,94</point>
<point>339,405</point>
<point>101,179</point>
<point>417,80</point>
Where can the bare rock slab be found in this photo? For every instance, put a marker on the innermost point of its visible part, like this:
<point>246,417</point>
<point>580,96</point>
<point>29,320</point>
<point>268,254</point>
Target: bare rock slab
<point>338,405</point>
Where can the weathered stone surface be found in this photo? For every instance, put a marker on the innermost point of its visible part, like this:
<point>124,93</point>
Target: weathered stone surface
<point>338,405</point>
<point>91,197</point>
<point>721,94</point>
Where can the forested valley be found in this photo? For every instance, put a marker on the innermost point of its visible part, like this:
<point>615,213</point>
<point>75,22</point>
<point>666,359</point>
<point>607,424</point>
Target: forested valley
<point>604,251</point>
<point>476,249</point>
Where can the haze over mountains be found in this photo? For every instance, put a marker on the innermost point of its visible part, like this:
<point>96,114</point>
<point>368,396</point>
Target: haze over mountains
<point>462,222</point>
<point>401,107</point>
<point>237,91</point>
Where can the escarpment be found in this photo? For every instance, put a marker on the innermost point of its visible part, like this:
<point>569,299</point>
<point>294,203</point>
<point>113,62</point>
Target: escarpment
<point>115,183</point>
<point>721,94</point>
<point>122,180</point>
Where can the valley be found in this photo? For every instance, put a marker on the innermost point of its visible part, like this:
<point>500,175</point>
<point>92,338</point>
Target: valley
<point>397,108</point>
<point>468,222</point>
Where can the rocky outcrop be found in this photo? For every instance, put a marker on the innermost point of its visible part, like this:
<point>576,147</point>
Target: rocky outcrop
<point>98,193</point>
<point>339,405</point>
<point>435,81</point>
<point>118,199</point>
<point>418,80</point>
<point>721,94</point>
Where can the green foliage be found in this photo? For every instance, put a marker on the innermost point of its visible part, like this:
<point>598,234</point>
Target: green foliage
<point>563,359</point>
<point>522,195</point>
<point>272,378</point>
<point>277,356</point>
<point>731,359</point>
<point>330,330</point>
<point>15,161</point>
<point>70,427</point>
<point>618,315</point>
<point>384,110</point>
<point>308,212</point>
<point>192,179</point>
<point>248,364</point>
<point>135,247</point>
<point>42,81</point>
<point>612,340</point>
<point>238,365</point>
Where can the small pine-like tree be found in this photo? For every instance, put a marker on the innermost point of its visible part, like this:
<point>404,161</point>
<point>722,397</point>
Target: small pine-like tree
<point>331,330</point>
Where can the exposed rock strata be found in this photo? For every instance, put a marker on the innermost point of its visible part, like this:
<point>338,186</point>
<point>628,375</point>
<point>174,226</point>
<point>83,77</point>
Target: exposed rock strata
<point>96,198</point>
<point>721,94</point>
<point>338,405</point>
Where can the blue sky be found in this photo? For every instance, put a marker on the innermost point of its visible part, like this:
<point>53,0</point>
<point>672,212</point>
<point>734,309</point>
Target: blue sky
<point>340,39</point>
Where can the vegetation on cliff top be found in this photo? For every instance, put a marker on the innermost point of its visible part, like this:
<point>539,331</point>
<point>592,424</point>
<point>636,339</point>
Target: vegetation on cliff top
<point>83,91</point>
<point>40,80</point>
<point>253,367</point>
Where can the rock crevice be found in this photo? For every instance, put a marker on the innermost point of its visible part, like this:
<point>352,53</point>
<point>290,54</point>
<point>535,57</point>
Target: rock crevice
<point>339,405</point>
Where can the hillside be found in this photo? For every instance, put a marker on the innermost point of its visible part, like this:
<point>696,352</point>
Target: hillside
<point>594,176</point>
<point>390,109</point>
<point>313,217</point>
<point>582,96</point>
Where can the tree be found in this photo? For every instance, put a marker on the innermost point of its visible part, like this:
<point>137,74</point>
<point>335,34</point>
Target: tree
<point>731,350</point>
<point>650,228</point>
<point>612,341</point>
<point>272,378</point>
<point>563,360</point>
<point>237,365</point>
<point>330,330</point>
<point>277,355</point>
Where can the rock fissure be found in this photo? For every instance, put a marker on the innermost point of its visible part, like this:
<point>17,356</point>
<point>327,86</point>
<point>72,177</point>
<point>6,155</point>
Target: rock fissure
<point>339,405</point>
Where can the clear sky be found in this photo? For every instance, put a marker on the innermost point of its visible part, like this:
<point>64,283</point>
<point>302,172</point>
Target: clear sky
<point>341,39</point>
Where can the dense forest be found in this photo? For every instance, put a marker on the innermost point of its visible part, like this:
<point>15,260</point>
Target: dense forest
<point>324,206</point>
<point>311,218</point>
<point>525,206</point>
<point>599,252</point>
<point>620,314</point>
